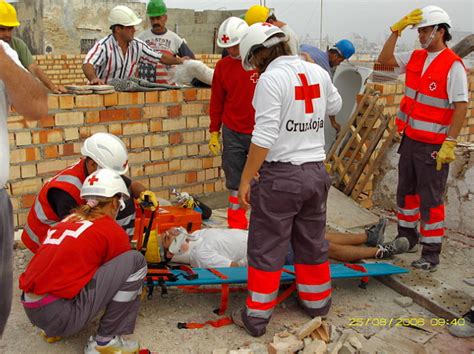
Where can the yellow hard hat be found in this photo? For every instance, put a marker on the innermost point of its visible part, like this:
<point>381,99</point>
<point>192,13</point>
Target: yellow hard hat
<point>8,15</point>
<point>257,13</point>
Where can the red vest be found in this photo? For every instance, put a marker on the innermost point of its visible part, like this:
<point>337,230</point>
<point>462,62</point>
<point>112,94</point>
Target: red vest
<point>41,215</point>
<point>425,112</point>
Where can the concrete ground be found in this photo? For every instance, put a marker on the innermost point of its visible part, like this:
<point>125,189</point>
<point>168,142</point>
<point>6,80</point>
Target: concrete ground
<point>372,312</point>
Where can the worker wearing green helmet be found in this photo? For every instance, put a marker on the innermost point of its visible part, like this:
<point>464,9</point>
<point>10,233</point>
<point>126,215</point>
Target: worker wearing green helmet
<point>161,40</point>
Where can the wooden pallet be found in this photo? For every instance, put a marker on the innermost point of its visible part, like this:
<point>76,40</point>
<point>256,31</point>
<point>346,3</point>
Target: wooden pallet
<point>360,147</point>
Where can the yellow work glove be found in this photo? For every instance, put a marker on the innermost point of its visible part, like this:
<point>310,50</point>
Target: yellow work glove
<point>446,153</point>
<point>214,144</point>
<point>413,18</point>
<point>151,200</point>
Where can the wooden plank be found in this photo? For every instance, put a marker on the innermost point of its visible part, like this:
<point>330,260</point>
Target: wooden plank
<point>358,129</point>
<point>370,149</point>
<point>375,163</point>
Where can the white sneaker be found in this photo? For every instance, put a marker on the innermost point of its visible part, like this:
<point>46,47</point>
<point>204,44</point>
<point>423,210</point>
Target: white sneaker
<point>117,345</point>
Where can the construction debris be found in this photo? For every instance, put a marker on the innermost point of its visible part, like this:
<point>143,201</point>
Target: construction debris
<point>308,327</point>
<point>404,301</point>
<point>469,281</point>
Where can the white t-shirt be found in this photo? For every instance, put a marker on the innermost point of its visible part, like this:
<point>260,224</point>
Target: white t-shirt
<point>457,78</point>
<point>218,248</point>
<point>289,119</point>
<point>4,142</point>
<point>168,43</point>
<point>293,41</point>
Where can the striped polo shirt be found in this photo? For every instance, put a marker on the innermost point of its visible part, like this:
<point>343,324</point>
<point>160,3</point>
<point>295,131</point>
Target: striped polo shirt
<point>110,63</point>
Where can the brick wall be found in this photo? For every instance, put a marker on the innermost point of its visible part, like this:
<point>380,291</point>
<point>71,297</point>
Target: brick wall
<point>66,69</point>
<point>166,133</point>
<point>392,93</point>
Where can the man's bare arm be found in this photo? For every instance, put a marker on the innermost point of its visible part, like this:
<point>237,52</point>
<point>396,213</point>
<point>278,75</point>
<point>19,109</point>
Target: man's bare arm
<point>25,93</point>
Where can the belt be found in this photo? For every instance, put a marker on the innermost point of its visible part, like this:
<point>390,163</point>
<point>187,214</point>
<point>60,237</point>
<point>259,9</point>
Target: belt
<point>33,301</point>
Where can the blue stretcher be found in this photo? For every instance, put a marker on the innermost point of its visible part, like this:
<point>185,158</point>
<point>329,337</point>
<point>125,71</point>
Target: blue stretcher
<point>238,275</point>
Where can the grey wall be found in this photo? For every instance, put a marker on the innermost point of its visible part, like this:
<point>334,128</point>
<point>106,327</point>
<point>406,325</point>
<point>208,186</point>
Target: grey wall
<point>57,26</point>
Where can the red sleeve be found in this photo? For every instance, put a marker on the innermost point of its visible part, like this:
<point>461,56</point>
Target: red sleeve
<point>218,96</point>
<point>117,241</point>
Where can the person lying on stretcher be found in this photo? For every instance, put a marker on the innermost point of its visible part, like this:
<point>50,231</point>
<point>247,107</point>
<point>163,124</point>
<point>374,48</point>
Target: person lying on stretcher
<point>211,248</point>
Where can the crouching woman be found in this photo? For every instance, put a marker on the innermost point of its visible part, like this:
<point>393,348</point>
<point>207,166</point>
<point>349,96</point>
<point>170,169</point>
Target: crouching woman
<point>84,266</point>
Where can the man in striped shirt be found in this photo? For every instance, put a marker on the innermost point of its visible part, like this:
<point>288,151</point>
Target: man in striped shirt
<point>119,54</point>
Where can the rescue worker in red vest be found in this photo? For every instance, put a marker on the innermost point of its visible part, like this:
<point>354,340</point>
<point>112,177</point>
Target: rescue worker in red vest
<point>288,200</point>
<point>84,266</point>
<point>61,193</point>
<point>231,108</point>
<point>430,117</point>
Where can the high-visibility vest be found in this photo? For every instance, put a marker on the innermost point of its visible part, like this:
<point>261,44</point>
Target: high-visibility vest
<point>41,215</point>
<point>425,112</point>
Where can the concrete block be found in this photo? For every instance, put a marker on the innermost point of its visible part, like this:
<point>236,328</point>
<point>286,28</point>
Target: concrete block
<point>315,347</point>
<point>404,301</point>
<point>156,111</point>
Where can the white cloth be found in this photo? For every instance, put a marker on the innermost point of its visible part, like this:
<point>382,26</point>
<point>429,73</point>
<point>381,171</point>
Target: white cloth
<point>219,248</point>
<point>285,125</point>
<point>110,63</point>
<point>4,141</point>
<point>293,41</point>
<point>169,43</point>
<point>457,78</point>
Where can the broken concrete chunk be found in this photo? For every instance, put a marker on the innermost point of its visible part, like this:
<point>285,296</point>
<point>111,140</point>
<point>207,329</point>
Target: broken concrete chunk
<point>404,301</point>
<point>308,327</point>
<point>281,348</point>
<point>323,332</point>
<point>315,347</point>
<point>355,342</point>
<point>346,349</point>
<point>241,351</point>
<point>469,281</point>
<point>293,343</point>
<point>258,348</point>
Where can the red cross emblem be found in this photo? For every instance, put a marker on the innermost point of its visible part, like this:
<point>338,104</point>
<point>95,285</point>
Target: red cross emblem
<point>92,180</point>
<point>433,86</point>
<point>254,78</point>
<point>434,155</point>
<point>224,38</point>
<point>267,24</point>
<point>307,93</point>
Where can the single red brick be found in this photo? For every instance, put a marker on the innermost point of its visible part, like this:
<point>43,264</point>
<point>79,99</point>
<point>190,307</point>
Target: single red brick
<point>175,138</point>
<point>135,113</point>
<point>191,177</point>
<point>189,95</point>
<point>27,200</point>
<point>47,122</point>
<point>50,152</point>
<point>111,115</point>
<point>68,149</point>
<point>174,111</point>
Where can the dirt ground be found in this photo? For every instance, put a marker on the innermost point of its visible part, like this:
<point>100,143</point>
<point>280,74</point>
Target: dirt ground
<point>157,330</point>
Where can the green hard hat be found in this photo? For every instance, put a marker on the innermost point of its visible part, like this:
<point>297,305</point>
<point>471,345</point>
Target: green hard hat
<point>156,8</point>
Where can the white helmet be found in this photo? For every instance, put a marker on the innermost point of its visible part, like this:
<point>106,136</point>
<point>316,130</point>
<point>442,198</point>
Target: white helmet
<point>231,31</point>
<point>176,246</point>
<point>258,35</point>
<point>122,15</point>
<point>103,183</point>
<point>107,150</point>
<point>433,15</point>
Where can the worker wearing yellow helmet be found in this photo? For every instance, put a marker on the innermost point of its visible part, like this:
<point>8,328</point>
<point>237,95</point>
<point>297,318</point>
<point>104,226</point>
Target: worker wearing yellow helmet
<point>259,13</point>
<point>8,22</point>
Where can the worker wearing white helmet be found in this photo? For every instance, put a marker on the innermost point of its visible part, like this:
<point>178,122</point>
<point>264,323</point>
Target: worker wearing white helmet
<point>61,193</point>
<point>119,54</point>
<point>288,198</point>
<point>231,110</point>
<point>85,266</point>
<point>430,118</point>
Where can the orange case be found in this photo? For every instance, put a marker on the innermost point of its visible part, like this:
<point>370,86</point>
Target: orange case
<point>172,217</point>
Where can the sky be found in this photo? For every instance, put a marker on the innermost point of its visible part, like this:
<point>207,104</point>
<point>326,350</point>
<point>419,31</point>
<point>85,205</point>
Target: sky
<point>370,18</point>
